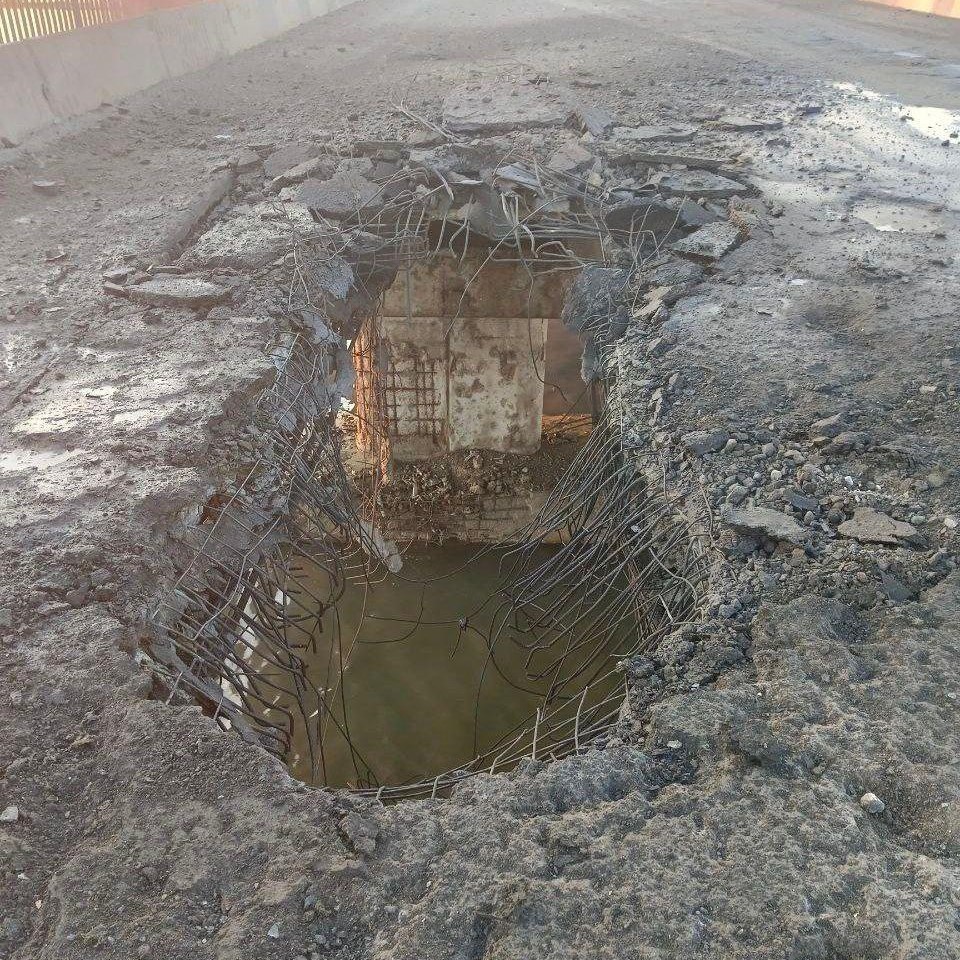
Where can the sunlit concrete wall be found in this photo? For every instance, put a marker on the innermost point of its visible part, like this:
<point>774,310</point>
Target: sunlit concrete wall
<point>53,78</point>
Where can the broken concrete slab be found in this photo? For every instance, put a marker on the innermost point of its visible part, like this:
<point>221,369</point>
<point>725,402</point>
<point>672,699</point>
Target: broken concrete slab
<point>253,238</point>
<point>518,175</point>
<point>263,148</point>
<point>872,526</point>
<point>380,149</point>
<point>709,243</point>
<point>671,133</point>
<point>746,124</point>
<point>343,195</point>
<point>643,214</point>
<point>320,168</point>
<point>183,224</point>
<point>596,310</point>
<point>288,157</point>
<point>490,107</point>
<point>114,289</point>
<point>698,183</point>
<point>469,159</point>
<point>117,274</point>
<point>660,158</point>
<point>178,292</point>
<point>765,523</point>
<point>675,273</point>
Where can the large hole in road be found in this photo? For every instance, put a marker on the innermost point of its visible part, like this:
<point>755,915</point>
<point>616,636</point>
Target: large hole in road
<point>452,572</point>
<point>481,642</point>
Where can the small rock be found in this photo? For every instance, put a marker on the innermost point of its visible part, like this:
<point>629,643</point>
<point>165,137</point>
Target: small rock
<point>847,441</point>
<point>871,526</point>
<point>423,139</point>
<point>47,187</point>
<point>701,442</point>
<point>800,502</point>
<point>360,832</point>
<point>10,815</point>
<point>497,107</point>
<point>78,597</point>
<point>274,932</point>
<point>117,275</point>
<point>829,426</point>
<point>594,120</point>
<point>895,589</point>
<point>764,522</point>
<point>737,494</point>
<point>872,803</point>
<point>246,159</point>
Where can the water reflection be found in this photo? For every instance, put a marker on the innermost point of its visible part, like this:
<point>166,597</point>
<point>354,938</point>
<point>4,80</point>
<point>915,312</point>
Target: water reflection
<point>420,693</point>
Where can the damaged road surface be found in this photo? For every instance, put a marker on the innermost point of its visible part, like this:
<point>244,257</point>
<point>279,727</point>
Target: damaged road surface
<point>748,215</point>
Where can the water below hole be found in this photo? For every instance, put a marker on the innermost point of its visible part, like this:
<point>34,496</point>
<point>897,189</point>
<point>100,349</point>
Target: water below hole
<point>419,695</point>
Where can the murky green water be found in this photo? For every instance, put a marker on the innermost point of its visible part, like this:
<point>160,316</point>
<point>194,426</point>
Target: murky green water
<point>419,693</point>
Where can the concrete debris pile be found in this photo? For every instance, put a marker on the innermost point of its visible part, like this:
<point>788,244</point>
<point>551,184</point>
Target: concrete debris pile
<point>532,170</point>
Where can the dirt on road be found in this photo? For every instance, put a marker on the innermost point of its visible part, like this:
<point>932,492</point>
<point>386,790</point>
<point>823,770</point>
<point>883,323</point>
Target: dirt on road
<point>783,781</point>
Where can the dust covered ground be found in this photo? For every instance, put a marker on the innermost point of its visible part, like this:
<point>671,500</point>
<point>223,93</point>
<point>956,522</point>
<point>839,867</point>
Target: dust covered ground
<point>785,782</point>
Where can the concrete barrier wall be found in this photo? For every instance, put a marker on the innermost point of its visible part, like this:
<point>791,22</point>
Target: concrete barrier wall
<point>52,78</point>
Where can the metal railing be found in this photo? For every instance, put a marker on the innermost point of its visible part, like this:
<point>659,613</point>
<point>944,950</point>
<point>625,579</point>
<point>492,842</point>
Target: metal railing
<point>25,19</point>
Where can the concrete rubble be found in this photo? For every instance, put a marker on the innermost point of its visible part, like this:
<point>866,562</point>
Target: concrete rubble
<point>346,194</point>
<point>250,238</point>
<point>710,242</point>
<point>695,183</point>
<point>870,526</point>
<point>646,134</point>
